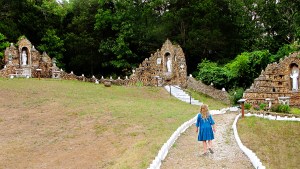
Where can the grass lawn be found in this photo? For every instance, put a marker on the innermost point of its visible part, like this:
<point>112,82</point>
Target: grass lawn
<point>213,104</point>
<point>276,143</point>
<point>52,123</point>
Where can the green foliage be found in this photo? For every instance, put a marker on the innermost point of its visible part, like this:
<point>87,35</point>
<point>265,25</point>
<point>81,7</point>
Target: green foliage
<point>53,45</point>
<point>247,66</point>
<point>105,36</point>
<point>139,84</point>
<point>285,50</point>
<point>281,108</point>
<point>235,95</point>
<point>210,72</point>
<point>262,106</point>
<point>3,45</point>
<point>240,72</point>
<point>248,106</point>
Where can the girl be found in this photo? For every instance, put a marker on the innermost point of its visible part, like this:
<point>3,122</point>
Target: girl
<point>207,128</point>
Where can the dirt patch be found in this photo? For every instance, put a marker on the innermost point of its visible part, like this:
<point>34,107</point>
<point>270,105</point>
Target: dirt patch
<point>187,150</point>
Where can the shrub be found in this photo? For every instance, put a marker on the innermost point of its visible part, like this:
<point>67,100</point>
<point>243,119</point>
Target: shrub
<point>284,108</point>
<point>281,108</point>
<point>247,106</point>
<point>236,95</point>
<point>262,106</point>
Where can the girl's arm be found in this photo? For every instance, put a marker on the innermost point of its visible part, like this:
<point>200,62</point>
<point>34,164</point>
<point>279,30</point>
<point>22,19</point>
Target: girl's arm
<point>214,128</point>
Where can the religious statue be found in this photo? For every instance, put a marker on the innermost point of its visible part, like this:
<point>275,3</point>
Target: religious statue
<point>169,65</point>
<point>24,57</point>
<point>294,75</point>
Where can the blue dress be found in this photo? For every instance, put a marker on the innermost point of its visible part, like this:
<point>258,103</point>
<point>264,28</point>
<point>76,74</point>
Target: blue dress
<point>205,131</point>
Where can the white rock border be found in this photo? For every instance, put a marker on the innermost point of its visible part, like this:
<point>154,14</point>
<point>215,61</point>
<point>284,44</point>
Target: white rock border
<point>251,155</point>
<point>156,163</point>
<point>270,117</point>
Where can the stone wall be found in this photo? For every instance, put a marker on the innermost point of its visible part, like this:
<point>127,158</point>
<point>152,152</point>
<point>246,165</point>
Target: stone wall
<point>208,90</point>
<point>275,82</point>
<point>167,66</point>
<point>14,66</point>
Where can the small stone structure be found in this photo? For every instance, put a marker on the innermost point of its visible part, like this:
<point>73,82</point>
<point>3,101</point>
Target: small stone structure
<point>165,67</point>
<point>23,60</point>
<point>277,81</point>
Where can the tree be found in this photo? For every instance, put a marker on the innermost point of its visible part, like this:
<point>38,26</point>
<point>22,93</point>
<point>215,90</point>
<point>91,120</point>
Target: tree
<point>53,45</point>
<point>3,44</point>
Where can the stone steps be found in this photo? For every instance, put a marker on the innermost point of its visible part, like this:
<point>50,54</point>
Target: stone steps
<point>177,92</point>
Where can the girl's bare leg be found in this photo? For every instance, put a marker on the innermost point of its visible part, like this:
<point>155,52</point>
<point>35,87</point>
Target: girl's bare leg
<point>210,144</point>
<point>204,146</point>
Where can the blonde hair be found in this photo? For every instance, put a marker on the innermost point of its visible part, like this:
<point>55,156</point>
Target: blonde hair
<point>204,111</point>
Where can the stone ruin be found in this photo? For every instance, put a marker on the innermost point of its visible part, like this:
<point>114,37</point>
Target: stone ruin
<point>23,60</point>
<point>165,67</point>
<point>278,83</point>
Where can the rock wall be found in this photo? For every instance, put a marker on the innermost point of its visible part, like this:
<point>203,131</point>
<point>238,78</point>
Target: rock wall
<point>208,90</point>
<point>275,82</point>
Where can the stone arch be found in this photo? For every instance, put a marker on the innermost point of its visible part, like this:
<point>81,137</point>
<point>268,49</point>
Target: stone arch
<point>24,48</point>
<point>167,56</point>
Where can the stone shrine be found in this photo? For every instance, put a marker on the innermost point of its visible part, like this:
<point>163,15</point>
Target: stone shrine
<point>278,83</point>
<point>23,60</point>
<point>164,67</point>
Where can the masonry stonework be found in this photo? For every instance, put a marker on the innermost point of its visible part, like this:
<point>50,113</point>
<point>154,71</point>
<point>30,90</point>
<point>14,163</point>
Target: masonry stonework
<point>23,60</point>
<point>275,82</point>
<point>165,67</point>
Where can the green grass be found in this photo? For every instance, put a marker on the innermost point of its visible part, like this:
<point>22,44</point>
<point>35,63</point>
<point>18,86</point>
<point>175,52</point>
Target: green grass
<point>295,111</point>
<point>134,120</point>
<point>213,104</point>
<point>276,143</point>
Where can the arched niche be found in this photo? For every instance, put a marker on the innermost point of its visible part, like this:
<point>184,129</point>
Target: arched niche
<point>294,77</point>
<point>168,62</point>
<point>24,50</point>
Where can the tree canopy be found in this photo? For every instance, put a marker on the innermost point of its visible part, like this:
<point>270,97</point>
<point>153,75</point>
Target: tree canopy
<point>110,37</point>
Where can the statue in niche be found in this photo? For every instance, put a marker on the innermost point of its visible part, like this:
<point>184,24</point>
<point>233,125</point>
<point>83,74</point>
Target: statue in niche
<point>294,75</point>
<point>24,57</point>
<point>169,65</point>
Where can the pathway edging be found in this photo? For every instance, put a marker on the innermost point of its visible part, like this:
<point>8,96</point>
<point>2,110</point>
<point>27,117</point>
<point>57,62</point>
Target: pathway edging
<point>251,155</point>
<point>156,163</point>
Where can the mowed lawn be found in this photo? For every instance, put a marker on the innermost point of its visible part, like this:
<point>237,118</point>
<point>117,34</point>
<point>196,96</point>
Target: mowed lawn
<point>71,124</point>
<point>276,143</point>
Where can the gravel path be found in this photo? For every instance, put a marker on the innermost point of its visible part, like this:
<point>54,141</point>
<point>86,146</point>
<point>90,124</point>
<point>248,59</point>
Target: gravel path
<point>186,152</point>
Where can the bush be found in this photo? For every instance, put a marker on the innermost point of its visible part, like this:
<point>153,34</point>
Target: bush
<point>235,95</point>
<point>281,108</point>
<point>248,106</point>
<point>284,108</point>
<point>262,106</point>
